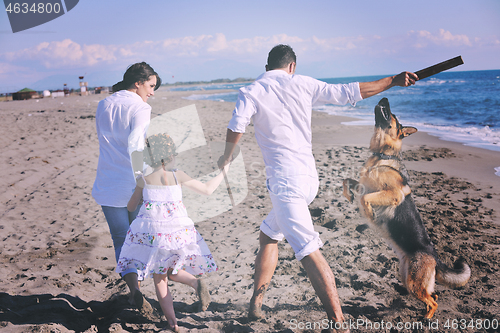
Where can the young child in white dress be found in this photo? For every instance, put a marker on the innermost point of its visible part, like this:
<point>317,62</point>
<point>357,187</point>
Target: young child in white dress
<point>162,241</point>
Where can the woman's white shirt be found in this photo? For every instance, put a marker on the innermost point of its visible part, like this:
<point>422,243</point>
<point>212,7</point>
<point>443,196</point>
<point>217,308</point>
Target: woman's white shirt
<point>122,120</point>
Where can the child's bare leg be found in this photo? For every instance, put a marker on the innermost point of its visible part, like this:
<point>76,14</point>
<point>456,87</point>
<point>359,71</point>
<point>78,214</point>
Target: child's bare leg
<point>197,284</point>
<point>165,299</point>
<point>183,277</point>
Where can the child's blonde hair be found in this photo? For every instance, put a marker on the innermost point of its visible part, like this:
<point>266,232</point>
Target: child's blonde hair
<point>160,150</point>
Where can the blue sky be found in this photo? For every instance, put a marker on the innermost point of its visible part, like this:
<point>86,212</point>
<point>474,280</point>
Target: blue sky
<point>204,40</point>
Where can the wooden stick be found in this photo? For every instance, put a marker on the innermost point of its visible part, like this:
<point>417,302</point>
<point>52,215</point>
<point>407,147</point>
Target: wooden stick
<point>442,66</point>
<point>228,188</point>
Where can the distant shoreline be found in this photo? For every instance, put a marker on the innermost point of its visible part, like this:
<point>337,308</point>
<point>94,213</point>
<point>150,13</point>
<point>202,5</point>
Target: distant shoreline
<point>217,81</point>
<point>4,96</point>
<point>242,79</point>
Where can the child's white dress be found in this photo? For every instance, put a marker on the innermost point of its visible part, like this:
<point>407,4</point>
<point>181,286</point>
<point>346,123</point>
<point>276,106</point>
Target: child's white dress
<point>163,236</point>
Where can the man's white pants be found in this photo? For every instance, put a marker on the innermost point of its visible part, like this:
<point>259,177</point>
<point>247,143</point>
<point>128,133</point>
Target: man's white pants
<point>290,217</point>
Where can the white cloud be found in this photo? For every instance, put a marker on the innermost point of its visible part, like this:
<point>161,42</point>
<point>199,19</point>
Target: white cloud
<point>219,43</point>
<point>340,43</point>
<point>422,39</point>
<point>67,53</point>
<point>64,53</point>
<point>184,53</point>
<point>93,54</point>
<point>58,56</point>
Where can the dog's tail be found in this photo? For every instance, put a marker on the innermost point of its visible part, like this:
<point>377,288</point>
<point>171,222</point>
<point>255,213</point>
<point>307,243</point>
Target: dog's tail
<point>453,277</point>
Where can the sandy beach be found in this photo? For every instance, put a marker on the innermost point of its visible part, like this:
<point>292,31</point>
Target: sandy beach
<point>57,262</point>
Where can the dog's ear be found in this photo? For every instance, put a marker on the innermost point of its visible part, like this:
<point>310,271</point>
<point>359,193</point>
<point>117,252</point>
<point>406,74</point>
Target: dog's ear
<point>407,131</point>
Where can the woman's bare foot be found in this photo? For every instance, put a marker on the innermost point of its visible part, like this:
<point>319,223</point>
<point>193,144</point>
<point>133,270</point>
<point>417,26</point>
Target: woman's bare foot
<point>203,295</point>
<point>143,305</point>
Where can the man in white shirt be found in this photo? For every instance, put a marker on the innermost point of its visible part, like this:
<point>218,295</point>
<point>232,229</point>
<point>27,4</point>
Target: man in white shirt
<point>280,104</point>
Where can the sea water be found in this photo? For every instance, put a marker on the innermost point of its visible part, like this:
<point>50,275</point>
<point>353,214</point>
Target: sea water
<point>455,106</point>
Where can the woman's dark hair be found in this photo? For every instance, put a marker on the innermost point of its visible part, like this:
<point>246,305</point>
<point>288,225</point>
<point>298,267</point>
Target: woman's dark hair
<point>280,56</point>
<point>139,72</point>
<point>160,149</point>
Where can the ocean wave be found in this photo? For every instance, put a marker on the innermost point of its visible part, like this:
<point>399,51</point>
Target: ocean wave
<point>482,137</point>
<point>437,81</point>
<point>431,81</point>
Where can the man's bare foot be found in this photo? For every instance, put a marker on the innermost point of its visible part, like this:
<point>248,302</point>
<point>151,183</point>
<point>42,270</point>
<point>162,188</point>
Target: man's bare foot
<point>203,295</point>
<point>255,311</point>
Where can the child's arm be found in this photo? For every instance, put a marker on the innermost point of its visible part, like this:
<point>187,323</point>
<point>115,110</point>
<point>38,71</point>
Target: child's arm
<point>199,187</point>
<point>136,197</point>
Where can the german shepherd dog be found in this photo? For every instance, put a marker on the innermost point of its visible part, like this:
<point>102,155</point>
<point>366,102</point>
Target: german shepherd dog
<point>385,199</point>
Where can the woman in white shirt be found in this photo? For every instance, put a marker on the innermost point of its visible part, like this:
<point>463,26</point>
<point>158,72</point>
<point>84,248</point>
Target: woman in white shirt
<point>122,120</point>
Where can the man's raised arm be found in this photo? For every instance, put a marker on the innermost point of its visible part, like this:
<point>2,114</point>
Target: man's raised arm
<point>404,79</point>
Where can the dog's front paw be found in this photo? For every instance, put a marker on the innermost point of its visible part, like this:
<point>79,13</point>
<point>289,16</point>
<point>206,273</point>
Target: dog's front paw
<point>368,210</point>
<point>348,185</point>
